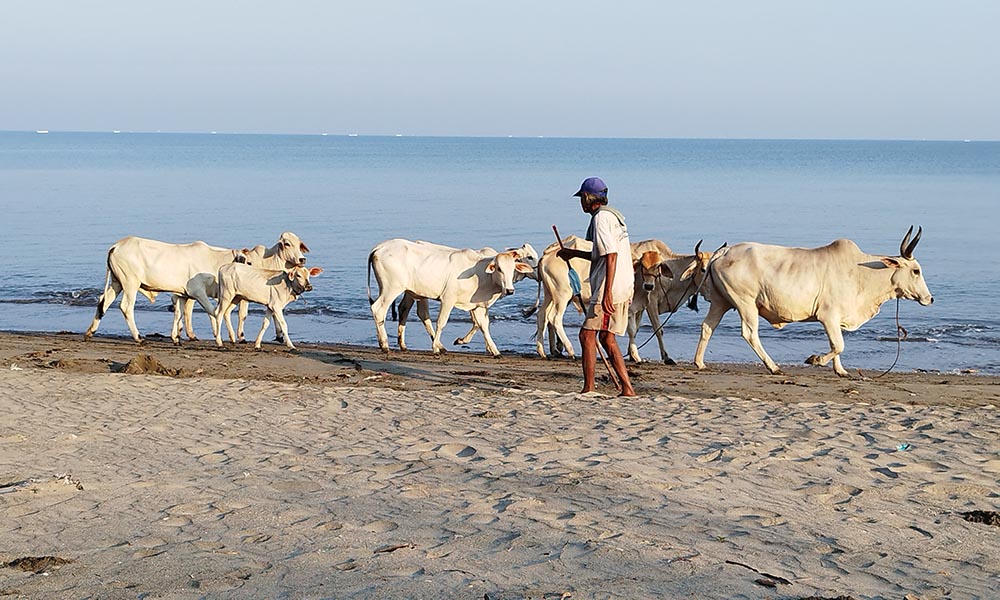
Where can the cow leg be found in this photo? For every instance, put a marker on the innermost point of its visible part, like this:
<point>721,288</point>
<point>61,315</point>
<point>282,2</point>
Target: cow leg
<point>436,346</point>
<point>557,324</point>
<point>189,317</point>
<point>424,313</point>
<point>263,327</point>
<point>634,316</point>
<point>653,310</point>
<point>242,317</point>
<point>379,309</point>
<point>403,313</point>
<point>280,324</point>
<point>836,336</point>
<point>481,320</point>
<point>175,327</point>
<point>104,303</point>
<point>749,318</point>
<point>715,312</point>
<point>127,307</point>
<point>220,313</point>
<point>541,320</point>
<point>465,339</point>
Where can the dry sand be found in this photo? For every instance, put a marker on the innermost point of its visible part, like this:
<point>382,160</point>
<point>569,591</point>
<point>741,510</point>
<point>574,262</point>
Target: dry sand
<point>336,472</point>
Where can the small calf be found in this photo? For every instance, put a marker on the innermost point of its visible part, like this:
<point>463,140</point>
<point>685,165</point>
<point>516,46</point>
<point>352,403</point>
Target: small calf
<point>273,289</point>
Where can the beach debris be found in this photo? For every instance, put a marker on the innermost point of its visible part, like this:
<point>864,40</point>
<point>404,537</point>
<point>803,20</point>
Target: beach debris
<point>825,598</point>
<point>36,564</point>
<point>774,578</point>
<point>489,414</point>
<point>710,456</point>
<point>903,447</point>
<point>68,479</point>
<point>392,548</point>
<point>766,582</point>
<point>14,367</point>
<point>482,373</point>
<point>986,517</point>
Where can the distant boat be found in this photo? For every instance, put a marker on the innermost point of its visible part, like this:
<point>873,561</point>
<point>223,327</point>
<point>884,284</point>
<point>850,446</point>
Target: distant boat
<point>116,131</point>
<point>399,135</point>
<point>41,131</point>
<point>352,135</point>
<point>966,141</point>
<point>322,134</point>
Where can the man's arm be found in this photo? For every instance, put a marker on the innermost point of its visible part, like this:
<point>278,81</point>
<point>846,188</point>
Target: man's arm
<point>568,253</point>
<point>608,303</point>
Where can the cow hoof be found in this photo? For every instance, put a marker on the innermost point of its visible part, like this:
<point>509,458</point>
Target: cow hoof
<point>193,338</point>
<point>813,360</point>
<point>669,361</point>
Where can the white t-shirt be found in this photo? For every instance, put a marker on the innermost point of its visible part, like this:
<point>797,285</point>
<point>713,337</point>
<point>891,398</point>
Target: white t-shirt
<point>610,235</point>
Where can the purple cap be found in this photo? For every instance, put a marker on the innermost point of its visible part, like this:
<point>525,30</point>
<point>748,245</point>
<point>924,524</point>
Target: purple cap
<point>593,186</point>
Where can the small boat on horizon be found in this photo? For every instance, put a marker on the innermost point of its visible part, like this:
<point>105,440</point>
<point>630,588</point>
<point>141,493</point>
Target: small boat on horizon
<point>41,131</point>
<point>352,135</point>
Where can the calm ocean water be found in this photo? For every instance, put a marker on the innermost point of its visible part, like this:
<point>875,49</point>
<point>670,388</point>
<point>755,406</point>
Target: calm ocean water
<point>66,197</point>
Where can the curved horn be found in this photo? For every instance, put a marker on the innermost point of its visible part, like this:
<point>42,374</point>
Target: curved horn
<point>697,247</point>
<point>906,240</point>
<point>908,253</point>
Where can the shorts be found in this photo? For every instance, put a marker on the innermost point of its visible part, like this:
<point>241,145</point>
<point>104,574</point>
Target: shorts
<point>598,320</point>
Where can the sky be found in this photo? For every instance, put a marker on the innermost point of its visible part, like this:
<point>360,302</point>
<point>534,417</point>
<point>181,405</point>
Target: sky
<point>851,69</point>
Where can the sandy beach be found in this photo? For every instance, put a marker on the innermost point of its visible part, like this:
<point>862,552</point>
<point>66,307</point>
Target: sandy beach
<point>156,471</point>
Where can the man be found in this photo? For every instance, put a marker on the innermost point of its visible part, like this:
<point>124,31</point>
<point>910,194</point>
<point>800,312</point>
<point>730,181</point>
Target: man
<point>611,282</point>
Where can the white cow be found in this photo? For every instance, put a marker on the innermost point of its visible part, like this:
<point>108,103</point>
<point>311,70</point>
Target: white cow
<point>467,279</point>
<point>139,265</point>
<point>663,282</point>
<point>272,288</point>
<point>553,277</point>
<point>203,287</point>
<point>838,285</point>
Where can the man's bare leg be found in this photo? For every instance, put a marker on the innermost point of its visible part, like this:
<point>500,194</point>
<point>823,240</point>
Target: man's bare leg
<point>610,345</point>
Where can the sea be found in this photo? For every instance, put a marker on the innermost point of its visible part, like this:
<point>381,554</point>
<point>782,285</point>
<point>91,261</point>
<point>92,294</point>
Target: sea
<point>66,197</point>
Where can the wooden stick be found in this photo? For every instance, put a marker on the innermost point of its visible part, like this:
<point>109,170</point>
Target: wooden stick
<point>600,351</point>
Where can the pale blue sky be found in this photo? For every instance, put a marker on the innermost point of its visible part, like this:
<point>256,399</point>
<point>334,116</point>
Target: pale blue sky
<point>871,69</point>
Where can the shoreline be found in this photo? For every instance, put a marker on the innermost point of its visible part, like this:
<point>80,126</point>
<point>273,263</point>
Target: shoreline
<point>336,472</point>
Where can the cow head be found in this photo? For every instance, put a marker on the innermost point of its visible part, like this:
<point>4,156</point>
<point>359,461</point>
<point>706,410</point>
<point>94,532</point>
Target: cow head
<point>907,277</point>
<point>502,269</point>
<point>298,279</point>
<point>649,267</point>
<point>291,249</point>
<point>525,254</point>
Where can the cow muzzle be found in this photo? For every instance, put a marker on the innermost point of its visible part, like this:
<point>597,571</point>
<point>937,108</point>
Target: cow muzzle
<point>302,261</point>
<point>508,291</point>
<point>648,287</point>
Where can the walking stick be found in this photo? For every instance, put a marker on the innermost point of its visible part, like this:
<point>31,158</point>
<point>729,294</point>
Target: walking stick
<point>574,280</point>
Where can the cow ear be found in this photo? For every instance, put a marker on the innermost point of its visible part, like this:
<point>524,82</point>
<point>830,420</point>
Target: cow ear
<point>891,262</point>
<point>666,272</point>
<point>689,271</point>
<point>491,267</point>
<point>523,268</point>
<point>303,247</point>
<point>315,271</point>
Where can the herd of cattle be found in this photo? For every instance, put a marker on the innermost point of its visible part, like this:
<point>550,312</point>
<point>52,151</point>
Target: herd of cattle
<point>838,285</point>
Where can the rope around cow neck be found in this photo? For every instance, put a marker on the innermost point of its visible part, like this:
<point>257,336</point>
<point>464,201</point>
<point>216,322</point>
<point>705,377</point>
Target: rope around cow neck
<point>901,334</point>
<point>671,312</point>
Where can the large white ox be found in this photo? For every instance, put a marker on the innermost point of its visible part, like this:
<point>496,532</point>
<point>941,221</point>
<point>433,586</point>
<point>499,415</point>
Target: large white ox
<point>663,282</point>
<point>838,285</point>
<point>138,265</point>
<point>272,288</point>
<point>203,286</point>
<point>467,279</point>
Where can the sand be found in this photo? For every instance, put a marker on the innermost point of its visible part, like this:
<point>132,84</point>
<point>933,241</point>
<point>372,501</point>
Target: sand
<point>152,471</point>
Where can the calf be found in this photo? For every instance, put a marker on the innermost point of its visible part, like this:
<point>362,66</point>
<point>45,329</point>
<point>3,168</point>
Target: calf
<point>273,289</point>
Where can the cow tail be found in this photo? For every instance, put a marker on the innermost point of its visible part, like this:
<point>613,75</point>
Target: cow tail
<point>368,284</point>
<point>107,285</point>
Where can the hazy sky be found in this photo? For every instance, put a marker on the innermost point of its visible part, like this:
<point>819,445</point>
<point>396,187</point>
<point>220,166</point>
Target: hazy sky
<point>873,69</point>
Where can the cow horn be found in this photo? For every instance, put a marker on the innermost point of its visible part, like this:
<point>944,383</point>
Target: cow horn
<point>906,240</point>
<point>697,247</point>
<point>913,243</point>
